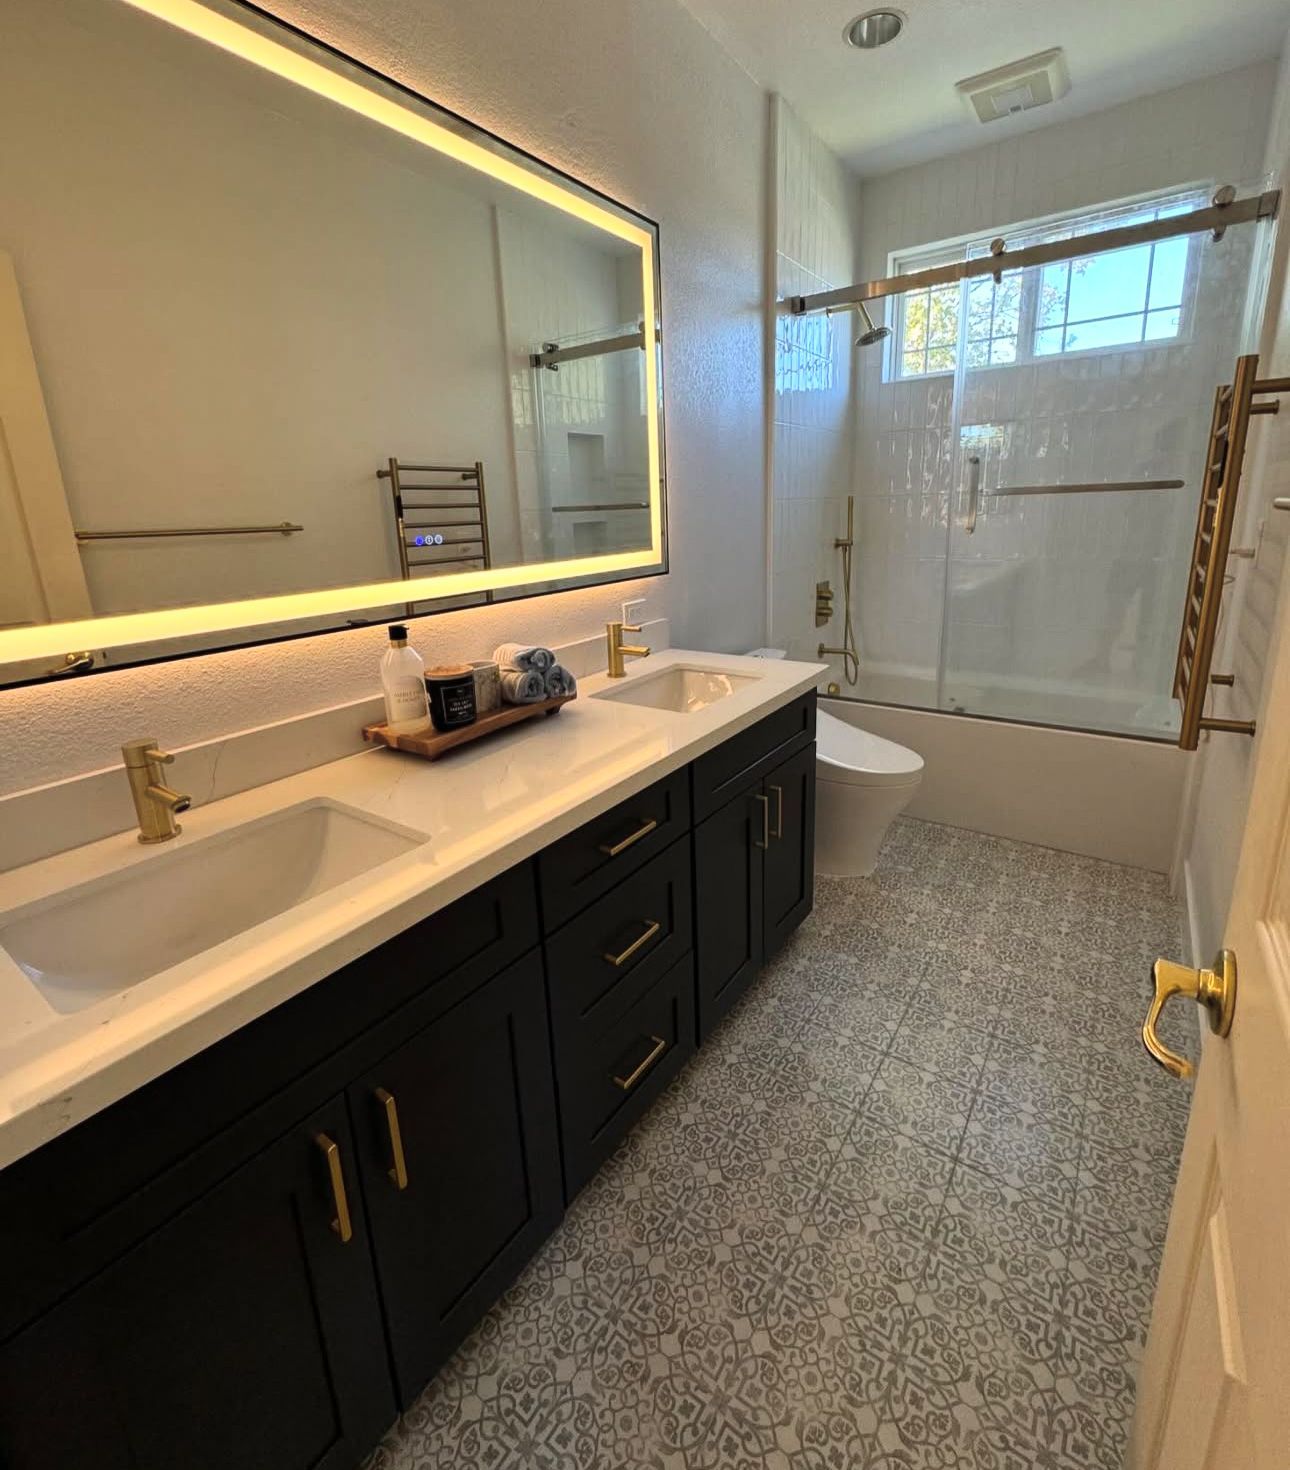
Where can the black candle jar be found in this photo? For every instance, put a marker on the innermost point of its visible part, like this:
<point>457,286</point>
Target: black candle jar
<point>451,690</point>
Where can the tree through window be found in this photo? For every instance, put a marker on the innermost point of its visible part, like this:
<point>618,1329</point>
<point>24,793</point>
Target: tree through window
<point>1134,296</point>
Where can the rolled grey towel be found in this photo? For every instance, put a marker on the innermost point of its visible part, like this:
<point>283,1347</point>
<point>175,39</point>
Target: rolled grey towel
<point>524,656</point>
<point>560,683</point>
<point>522,686</point>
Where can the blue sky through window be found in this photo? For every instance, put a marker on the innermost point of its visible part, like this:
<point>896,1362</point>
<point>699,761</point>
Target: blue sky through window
<point>1122,298</point>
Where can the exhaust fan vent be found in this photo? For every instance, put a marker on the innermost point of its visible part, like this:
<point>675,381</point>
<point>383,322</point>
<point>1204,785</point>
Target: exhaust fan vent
<point>1016,87</point>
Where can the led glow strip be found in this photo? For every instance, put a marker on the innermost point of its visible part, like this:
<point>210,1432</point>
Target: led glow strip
<point>51,640</point>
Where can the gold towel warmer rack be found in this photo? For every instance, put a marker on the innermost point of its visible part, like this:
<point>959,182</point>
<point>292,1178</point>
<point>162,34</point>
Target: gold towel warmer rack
<point>468,481</point>
<point>1234,406</point>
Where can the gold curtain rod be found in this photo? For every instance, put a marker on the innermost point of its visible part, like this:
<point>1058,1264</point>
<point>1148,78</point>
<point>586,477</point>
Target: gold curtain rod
<point>1226,210</point>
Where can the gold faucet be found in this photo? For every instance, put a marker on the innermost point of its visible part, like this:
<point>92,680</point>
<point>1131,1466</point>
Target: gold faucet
<point>618,650</point>
<point>155,804</point>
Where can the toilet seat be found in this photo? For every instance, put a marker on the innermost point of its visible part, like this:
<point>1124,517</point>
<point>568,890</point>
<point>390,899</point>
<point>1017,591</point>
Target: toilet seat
<point>857,758</point>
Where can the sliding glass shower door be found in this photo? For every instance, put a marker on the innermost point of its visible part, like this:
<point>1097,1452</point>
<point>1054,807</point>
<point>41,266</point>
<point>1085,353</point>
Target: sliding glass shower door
<point>1066,480</point>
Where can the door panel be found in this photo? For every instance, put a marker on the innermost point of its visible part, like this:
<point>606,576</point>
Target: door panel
<point>474,1107</point>
<point>789,869</point>
<point>728,904</point>
<point>245,1332</point>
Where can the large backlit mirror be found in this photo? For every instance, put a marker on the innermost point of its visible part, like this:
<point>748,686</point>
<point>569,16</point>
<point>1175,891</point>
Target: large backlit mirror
<point>286,348</point>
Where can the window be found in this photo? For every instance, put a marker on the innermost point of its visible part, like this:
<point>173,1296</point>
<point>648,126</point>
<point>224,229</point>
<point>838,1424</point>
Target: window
<point>1122,298</point>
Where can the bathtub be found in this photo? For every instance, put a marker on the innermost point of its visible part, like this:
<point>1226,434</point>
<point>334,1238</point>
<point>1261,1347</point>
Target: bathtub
<point>1106,796</point>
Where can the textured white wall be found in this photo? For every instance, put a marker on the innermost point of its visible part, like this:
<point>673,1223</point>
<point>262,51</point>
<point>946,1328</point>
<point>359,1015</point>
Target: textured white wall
<point>1214,819</point>
<point>634,98</point>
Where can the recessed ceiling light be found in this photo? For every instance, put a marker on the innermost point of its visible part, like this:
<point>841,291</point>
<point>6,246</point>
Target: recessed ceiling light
<point>874,28</point>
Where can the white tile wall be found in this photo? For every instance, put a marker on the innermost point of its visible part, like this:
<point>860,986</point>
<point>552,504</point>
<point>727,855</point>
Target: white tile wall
<point>817,202</point>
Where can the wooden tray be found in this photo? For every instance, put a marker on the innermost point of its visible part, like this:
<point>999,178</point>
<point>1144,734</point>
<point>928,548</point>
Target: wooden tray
<point>431,744</point>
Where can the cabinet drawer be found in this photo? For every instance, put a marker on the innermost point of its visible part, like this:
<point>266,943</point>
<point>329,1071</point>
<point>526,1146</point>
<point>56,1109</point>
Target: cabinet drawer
<point>745,758</point>
<point>601,962</point>
<point>580,867</point>
<point>611,1082</point>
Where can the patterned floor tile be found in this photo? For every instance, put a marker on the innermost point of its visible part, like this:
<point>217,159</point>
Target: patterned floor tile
<point>904,1212</point>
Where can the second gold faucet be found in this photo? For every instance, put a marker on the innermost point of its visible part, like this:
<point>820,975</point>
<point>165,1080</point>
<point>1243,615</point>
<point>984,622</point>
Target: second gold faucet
<point>620,651</point>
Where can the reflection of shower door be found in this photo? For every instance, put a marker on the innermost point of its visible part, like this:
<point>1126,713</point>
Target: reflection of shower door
<point>1061,604</point>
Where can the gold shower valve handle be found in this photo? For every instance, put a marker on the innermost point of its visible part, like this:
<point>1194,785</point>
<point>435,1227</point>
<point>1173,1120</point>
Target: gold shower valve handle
<point>1215,989</point>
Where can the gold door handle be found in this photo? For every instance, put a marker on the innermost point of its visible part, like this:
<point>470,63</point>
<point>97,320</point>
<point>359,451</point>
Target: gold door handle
<point>1214,989</point>
<point>652,926</point>
<point>778,830</point>
<point>613,849</point>
<point>341,1224</point>
<point>398,1170</point>
<point>765,822</point>
<point>635,1075</point>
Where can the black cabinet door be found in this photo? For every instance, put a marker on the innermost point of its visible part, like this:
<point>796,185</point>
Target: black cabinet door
<point>246,1331</point>
<point>461,1165</point>
<point>728,853</point>
<point>789,865</point>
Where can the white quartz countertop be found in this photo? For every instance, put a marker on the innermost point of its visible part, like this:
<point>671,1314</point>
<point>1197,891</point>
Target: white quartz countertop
<point>483,809</point>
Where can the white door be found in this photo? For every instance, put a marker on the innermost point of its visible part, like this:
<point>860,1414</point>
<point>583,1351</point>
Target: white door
<point>41,580</point>
<point>1214,1390</point>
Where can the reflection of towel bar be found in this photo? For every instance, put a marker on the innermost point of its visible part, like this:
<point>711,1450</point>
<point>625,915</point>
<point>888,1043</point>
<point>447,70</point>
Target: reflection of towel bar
<point>283,528</point>
<point>1087,487</point>
<point>602,505</point>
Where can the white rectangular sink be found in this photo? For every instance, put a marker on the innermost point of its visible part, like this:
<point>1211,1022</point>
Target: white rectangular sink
<point>96,940</point>
<point>682,688</point>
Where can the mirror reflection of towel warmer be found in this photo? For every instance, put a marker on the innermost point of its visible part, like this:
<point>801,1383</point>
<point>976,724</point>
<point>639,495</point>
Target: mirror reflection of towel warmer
<point>419,530</point>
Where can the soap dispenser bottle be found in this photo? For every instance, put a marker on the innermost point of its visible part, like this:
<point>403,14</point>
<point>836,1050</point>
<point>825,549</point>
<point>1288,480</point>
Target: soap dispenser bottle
<point>403,680</point>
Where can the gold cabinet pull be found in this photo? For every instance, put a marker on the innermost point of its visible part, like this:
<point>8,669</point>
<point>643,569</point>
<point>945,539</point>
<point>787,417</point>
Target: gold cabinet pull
<point>652,926</point>
<point>1214,989</point>
<point>778,830</point>
<point>613,849</point>
<point>765,822</point>
<point>634,1076</point>
<point>342,1224</point>
<point>398,1170</point>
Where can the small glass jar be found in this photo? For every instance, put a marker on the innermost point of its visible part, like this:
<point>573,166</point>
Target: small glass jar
<point>451,691</point>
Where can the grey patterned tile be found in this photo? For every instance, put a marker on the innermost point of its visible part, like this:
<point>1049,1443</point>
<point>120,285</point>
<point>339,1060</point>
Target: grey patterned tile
<point>941,1041</point>
<point>931,1109</point>
<point>904,1212</point>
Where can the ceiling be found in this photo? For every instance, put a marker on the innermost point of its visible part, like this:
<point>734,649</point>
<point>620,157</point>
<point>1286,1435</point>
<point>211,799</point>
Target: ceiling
<point>883,109</point>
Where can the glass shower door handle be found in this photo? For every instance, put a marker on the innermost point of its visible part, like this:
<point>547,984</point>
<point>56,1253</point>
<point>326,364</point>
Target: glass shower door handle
<point>973,492</point>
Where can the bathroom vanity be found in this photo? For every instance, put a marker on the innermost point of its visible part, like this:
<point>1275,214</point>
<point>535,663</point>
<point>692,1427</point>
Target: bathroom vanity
<point>295,1206</point>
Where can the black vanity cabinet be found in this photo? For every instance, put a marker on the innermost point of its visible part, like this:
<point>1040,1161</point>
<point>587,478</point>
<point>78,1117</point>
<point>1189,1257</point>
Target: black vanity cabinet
<point>754,853</point>
<point>460,1160</point>
<point>245,1331</point>
<point>256,1259</point>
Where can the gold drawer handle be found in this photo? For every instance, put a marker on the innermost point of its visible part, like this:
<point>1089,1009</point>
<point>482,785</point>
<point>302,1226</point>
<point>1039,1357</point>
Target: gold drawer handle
<point>652,926</point>
<point>765,822</point>
<point>1214,989</point>
<point>617,847</point>
<point>778,830</point>
<point>632,1078</point>
<point>342,1224</point>
<point>398,1171</point>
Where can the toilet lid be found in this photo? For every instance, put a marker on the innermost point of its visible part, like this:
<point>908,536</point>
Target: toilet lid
<point>858,758</point>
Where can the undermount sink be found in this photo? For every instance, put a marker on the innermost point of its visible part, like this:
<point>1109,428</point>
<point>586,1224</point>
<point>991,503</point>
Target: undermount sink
<point>681,689</point>
<point>96,940</point>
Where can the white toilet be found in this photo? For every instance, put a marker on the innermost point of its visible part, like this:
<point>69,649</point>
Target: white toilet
<point>863,783</point>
